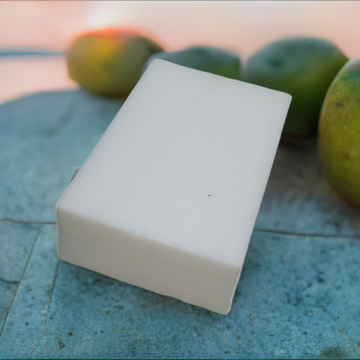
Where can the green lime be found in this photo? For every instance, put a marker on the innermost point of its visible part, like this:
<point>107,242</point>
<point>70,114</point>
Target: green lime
<point>303,68</point>
<point>212,60</point>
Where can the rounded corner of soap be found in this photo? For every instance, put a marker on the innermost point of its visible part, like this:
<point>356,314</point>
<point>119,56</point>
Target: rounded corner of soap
<point>156,63</point>
<point>58,206</point>
<point>286,96</point>
<point>59,210</point>
<point>289,96</point>
<point>225,311</point>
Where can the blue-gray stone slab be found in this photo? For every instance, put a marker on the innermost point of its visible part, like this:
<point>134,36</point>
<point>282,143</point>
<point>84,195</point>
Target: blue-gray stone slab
<point>26,322</point>
<point>16,244</point>
<point>41,137</point>
<point>299,200</point>
<point>7,293</point>
<point>298,296</point>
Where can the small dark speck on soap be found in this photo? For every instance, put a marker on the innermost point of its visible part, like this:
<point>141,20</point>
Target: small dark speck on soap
<point>70,333</point>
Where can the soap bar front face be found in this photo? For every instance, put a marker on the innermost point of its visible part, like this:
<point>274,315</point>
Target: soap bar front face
<point>168,198</point>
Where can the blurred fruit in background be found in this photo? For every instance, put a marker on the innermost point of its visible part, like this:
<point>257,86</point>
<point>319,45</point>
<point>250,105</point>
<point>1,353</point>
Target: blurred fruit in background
<point>339,133</point>
<point>302,67</point>
<point>209,59</point>
<point>109,62</point>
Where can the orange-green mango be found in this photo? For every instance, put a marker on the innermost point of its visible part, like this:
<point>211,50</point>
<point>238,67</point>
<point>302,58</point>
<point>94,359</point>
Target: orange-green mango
<point>339,133</point>
<point>109,62</point>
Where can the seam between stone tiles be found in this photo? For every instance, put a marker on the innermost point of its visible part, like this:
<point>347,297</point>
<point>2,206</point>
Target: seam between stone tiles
<point>48,303</point>
<point>28,222</point>
<point>22,275</point>
<point>280,232</point>
<point>269,231</point>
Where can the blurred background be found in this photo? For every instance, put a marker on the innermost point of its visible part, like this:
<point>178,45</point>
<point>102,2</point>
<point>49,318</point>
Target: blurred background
<point>34,34</point>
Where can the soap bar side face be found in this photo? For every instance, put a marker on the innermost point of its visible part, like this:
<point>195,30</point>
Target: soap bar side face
<point>148,264</point>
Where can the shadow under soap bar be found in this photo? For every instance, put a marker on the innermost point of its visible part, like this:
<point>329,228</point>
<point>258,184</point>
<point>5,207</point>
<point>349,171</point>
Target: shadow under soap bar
<point>168,198</point>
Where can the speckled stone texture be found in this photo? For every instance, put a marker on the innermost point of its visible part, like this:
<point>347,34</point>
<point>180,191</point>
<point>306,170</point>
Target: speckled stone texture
<point>298,295</point>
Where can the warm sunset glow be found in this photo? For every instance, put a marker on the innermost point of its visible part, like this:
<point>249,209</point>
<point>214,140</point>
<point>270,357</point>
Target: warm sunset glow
<point>240,26</point>
<point>105,17</point>
<point>120,33</point>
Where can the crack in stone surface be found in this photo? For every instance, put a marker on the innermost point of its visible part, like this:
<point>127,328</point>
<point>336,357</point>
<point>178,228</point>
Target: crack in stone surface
<point>281,232</point>
<point>28,222</point>
<point>9,281</point>
<point>269,231</point>
<point>48,303</point>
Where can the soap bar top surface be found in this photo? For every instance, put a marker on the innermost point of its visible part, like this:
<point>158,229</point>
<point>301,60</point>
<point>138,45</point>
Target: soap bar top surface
<point>185,162</point>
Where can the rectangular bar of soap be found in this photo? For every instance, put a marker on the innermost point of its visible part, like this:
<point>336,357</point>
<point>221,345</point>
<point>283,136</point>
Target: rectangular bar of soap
<point>168,198</point>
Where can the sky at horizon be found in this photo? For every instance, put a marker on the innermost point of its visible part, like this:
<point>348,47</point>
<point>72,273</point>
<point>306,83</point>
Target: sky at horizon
<point>240,26</point>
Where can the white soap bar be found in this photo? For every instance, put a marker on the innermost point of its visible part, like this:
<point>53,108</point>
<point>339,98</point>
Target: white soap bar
<point>168,198</point>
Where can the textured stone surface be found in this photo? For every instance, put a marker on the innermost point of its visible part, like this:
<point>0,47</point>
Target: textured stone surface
<point>298,199</point>
<point>298,296</point>
<point>7,293</point>
<point>26,322</point>
<point>41,137</point>
<point>16,244</point>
